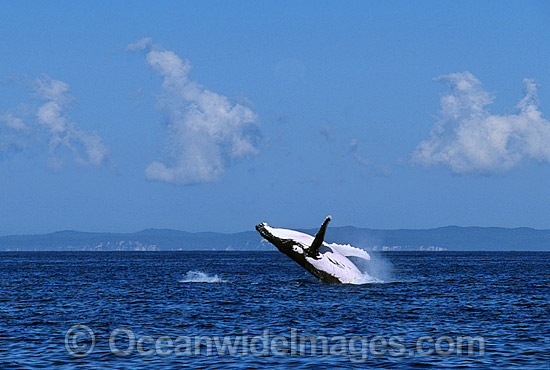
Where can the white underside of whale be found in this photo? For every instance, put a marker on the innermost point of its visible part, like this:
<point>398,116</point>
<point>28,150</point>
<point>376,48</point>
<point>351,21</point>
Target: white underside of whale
<point>334,257</point>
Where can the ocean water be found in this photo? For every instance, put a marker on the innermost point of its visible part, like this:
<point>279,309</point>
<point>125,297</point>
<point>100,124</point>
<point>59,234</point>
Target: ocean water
<point>177,309</point>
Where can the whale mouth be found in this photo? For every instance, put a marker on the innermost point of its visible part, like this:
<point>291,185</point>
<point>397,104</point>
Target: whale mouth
<point>261,228</point>
<point>282,244</point>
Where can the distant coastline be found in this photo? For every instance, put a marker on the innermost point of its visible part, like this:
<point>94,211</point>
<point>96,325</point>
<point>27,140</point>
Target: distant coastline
<point>450,238</point>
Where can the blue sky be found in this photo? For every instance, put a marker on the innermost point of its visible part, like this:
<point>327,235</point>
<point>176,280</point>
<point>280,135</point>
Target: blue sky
<point>118,116</point>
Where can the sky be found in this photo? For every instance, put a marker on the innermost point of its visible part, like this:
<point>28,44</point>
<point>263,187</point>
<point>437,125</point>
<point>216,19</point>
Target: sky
<point>119,116</point>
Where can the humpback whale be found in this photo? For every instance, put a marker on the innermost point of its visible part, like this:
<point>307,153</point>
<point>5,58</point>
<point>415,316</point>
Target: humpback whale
<point>329,263</point>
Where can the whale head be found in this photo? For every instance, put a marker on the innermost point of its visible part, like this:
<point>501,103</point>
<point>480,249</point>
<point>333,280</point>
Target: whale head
<point>283,240</point>
<point>293,243</point>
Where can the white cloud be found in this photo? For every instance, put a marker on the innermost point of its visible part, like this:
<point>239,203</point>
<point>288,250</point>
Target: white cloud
<point>142,44</point>
<point>469,139</point>
<point>50,118</point>
<point>206,132</point>
<point>86,146</point>
<point>12,122</point>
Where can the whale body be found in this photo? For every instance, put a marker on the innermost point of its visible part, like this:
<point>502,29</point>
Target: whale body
<point>329,263</point>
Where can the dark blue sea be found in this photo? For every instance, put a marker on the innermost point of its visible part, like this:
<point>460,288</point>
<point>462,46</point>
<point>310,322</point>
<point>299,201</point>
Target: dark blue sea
<point>248,310</point>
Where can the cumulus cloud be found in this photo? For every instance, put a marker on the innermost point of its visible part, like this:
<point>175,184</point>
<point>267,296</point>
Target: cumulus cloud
<point>50,118</point>
<point>12,122</point>
<point>86,146</point>
<point>469,139</point>
<point>205,131</point>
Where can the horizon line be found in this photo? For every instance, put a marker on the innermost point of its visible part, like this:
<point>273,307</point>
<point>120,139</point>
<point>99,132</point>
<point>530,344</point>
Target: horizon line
<point>251,230</point>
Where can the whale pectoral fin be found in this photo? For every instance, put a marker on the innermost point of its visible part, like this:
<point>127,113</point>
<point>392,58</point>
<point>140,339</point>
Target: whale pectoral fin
<point>313,250</point>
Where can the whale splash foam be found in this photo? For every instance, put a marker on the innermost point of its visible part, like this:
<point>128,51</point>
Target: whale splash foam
<point>201,277</point>
<point>376,270</point>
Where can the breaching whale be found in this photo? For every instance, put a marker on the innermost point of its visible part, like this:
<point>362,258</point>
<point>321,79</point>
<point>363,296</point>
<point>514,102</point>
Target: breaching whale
<point>329,263</point>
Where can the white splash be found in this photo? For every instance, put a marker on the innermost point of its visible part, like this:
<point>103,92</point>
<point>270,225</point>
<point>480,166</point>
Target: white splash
<point>367,279</point>
<point>201,277</point>
<point>376,270</point>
